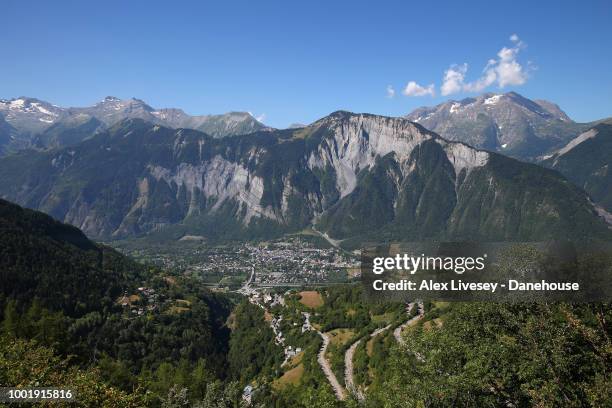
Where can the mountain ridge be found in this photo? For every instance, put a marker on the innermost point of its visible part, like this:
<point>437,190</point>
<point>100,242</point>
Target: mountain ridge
<point>342,173</point>
<point>586,161</point>
<point>35,123</point>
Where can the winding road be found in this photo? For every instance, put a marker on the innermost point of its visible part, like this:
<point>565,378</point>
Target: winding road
<point>397,333</point>
<point>339,390</point>
<point>327,370</point>
<point>348,364</point>
<point>331,377</point>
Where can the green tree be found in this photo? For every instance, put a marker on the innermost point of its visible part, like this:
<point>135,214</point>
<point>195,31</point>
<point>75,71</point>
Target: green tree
<point>10,323</point>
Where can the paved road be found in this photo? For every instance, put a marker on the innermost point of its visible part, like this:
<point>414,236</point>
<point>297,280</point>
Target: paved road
<point>331,377</point>
<point>339,390</point>
<point>246,288</point>
<point>348,371</point>
<point>333,242</point>
<point>348,364</point>
<point>397,333</point>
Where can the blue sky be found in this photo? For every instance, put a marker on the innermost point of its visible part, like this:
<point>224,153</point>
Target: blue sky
<point>298,61</point>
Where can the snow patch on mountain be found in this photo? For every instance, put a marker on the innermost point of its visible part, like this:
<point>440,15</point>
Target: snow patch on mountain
<point>42,109</point>
<point>492,100</point>
<point>16,104</point>
<point>455,107</point>
<point>531,128</point>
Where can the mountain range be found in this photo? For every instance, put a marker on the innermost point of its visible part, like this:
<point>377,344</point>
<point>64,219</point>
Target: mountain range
<point>353,177</point>
<point>506,123</point>
<point>29,122</point>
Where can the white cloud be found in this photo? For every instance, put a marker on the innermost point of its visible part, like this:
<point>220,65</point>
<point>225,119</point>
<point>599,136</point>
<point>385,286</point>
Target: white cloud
<point>453,79</point>
<point>487,79</point>
<point>505,70</point>
<point>509,71</point>
<point>261,117</point>
<point>414,89</point>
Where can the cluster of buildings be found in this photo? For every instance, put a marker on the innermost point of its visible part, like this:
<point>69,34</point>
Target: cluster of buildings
<point>266,300</point>
<point>295,262</point>
<point>306,326</point>
<point>289,262</point>
<point>137,304</point>
<point>278,264</point>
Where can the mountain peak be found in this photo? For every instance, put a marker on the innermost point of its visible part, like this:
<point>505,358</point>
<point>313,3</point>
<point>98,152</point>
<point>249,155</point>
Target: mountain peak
<point>506,122</point>
<point>23,101</point>
<point>553,109</point>
<point>296,125</point>
<point>341,114</point>
<point>113,100</point>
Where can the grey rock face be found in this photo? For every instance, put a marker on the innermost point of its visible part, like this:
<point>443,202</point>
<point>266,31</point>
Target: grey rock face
<point>507,123</point>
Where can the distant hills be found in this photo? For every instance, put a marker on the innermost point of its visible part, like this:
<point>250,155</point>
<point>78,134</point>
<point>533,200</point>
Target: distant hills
<point>506,123</point>
<point>29,122</point>
<point>353,176</point>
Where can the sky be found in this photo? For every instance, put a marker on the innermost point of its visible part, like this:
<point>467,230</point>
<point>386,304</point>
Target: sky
<point>297,61</point>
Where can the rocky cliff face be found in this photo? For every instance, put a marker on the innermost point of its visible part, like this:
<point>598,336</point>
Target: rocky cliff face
<point>356,141</point>
<point>354,176</point>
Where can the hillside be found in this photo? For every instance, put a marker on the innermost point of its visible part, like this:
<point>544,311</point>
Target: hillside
<point>343,351</point>
<point>486,354</point>
<point>56,264</point>
<point>132,325</point>
<point>586,161</point>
